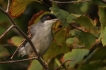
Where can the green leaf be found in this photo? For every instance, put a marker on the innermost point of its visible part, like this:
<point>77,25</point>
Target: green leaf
<point>55,50</point>
<point>70,41</point>
<point>86,38</point>
<point>16,40</point>
<point>102,16</point>
<point>103,37</point>
<point>85,22</point>
<point>35,65</point>
<point>62,15</point>
<point>77,55</point>
<point>96,60</point>
<point>3,51</point>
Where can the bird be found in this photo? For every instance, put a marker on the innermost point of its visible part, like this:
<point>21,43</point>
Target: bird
<point>41,36</point>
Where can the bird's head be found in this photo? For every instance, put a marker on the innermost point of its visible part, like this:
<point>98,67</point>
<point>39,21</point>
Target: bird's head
<point>48,19</point>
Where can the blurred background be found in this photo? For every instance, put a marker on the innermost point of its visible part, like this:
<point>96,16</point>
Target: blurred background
<point>82,8</point>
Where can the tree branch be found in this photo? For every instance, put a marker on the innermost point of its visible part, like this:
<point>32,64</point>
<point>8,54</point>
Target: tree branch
<point>8,6</point>
<point>6,31</point>
<point>70,1</point>
<point>64,63</point>
<point>14,61</point>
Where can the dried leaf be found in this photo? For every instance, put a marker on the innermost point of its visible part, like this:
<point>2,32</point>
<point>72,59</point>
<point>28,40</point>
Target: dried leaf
<point>18,7</point>
<point>16,40</point>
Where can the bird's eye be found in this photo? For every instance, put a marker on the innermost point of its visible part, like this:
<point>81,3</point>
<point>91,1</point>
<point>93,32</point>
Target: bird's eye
<point>48,17</point>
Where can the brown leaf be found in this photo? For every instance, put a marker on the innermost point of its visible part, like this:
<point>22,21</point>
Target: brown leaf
<point>18,7</point>
<point>34,17</point>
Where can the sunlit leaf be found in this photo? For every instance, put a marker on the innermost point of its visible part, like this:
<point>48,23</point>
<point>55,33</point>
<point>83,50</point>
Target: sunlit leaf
<point>70,41</point>
<point>18,7</point>
<point>77,55</point>
<point>3,51</point>
<point>102,15</point>
<point>16,40</point>
<point>35,65</point>
<point>86,38</point>
<point>103,37</point>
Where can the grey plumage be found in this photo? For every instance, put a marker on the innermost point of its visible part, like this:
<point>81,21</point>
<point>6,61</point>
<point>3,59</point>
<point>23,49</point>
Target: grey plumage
<point>41,35</point>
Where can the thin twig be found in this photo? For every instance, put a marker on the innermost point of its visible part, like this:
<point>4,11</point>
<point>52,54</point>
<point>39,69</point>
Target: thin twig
<point>45,3</point>
<point>70,1</point>
<point>8,6</point>
<point>6,31</point>
<point>16,50</point>
<point>64,63</point>
<point>76,27</point>
<point>14,61</point>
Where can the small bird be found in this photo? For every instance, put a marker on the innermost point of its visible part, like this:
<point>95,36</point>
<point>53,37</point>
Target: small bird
<point>41,35</point>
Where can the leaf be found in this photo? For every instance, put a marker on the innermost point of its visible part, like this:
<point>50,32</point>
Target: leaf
<point>96,59</point>
<point>16,40</point>
<point>103,37</point>
<point>77,55</point>
<point>86,38</point>
<point>85,22</point>
<point>3,52</point>
<point>55,50</point>
<point>35,17</point>
<point>70,41</point>
<point>102,15</point>
<point>60,37</point>
<point>62,15</point>
<point>35,65</point>
<point>18,7</point>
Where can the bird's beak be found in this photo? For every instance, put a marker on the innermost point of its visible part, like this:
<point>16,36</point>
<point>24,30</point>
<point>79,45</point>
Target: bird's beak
<point>55,19</point>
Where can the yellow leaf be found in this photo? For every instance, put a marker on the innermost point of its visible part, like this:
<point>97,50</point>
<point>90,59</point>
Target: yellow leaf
<point>18,7</point>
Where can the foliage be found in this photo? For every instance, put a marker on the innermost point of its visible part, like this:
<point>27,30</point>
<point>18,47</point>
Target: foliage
<point>80,34</point>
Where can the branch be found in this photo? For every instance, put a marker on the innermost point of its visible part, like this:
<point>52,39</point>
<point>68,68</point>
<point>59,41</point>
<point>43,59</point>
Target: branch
<point>14,61</point>
<point>8,6</point>
<point>63,64</point>
<point>70,1</point>
<point>76,27</point>
<point>17,50</point>
<point>25,36</point>
<point>6,31</point>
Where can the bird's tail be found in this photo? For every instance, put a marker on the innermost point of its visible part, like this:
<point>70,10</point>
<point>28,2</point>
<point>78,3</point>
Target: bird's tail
<point>19,51</point>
